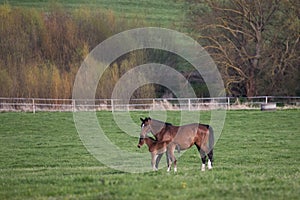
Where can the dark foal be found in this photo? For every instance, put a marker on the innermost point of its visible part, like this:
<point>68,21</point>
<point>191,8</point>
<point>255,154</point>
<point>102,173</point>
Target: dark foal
<point>157,149</point>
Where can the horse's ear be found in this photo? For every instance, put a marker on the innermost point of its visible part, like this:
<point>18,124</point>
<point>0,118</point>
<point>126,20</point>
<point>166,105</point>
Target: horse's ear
<point>149,118</point>
<point>142,119</point>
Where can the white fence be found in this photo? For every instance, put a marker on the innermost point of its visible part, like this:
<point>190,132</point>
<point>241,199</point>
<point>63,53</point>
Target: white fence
<point>39,104</point>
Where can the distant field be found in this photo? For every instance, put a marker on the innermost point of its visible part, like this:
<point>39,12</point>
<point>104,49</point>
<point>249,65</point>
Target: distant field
<point>42,157</point>
<point>157,12</point>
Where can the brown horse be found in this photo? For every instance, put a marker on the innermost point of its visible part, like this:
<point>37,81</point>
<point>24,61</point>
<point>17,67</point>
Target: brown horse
<point>156,149</point>
<point>182,137</point>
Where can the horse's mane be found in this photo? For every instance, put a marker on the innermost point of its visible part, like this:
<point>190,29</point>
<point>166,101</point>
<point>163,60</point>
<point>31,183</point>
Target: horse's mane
<point>157,125</point>
<point>166,123</point>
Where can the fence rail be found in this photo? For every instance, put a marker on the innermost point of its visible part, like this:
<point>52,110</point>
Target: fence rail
<point>42,104</point>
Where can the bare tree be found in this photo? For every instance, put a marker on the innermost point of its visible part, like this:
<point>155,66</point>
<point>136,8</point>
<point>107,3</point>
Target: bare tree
<point>249,39</point>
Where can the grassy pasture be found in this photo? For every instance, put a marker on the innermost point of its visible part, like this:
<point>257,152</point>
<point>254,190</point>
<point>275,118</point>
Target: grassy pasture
<point>163,13</point>
<point>256,157</point>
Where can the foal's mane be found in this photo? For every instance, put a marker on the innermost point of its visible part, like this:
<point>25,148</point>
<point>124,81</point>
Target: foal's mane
<point>151,138</point>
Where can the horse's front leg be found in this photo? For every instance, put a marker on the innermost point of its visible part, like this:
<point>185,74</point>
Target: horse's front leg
<point>169,162</point>
<point>172,159</point>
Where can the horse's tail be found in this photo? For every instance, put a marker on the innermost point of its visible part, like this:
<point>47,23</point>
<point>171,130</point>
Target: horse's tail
<point>211,139</point>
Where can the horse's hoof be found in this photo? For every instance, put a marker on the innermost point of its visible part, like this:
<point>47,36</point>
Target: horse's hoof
<point>209,165</point>
<point>203,168</point>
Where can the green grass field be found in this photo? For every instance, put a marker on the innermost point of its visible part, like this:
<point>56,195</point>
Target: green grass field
<point>256,157</point>
<point>165,13</point>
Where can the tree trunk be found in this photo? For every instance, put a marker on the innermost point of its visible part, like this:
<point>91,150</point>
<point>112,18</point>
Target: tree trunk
<point>254,62</point>
<point>250,87</point>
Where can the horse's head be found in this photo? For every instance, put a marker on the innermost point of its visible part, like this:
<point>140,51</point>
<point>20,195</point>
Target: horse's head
<point>145,126</point>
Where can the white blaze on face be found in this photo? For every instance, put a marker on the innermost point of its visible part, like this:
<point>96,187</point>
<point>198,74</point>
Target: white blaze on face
<point>143,132</point>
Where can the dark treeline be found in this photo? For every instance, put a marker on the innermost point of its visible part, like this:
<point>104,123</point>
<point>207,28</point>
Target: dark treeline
<point>41,52</point>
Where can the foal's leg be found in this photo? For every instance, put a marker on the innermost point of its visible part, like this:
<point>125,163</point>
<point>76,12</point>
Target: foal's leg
<point>153,159</point>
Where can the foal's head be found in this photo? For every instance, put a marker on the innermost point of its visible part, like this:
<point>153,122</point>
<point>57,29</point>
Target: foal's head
<point>145,127</point>
<point>141,142</point>
<point>148,140</point>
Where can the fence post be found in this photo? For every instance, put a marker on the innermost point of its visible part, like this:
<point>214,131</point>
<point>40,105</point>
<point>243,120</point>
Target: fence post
<point>112,105</point>
<point>73,105</point>
<point>33,106</point>
<point>189,102</point>
<point>153,102</point>
<point>266,99</point>
<point>228,102</point>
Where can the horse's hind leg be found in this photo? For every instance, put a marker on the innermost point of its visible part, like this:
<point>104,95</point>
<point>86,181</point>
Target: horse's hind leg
<point>203,158</point>
<point>210,159</point>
